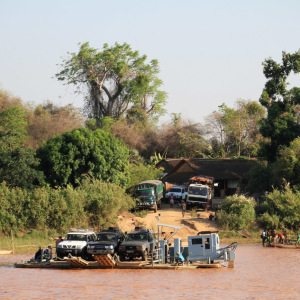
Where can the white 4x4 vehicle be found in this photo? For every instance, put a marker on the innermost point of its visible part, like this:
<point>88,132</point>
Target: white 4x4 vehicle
<point>179,193</point>
<point>75,243</point>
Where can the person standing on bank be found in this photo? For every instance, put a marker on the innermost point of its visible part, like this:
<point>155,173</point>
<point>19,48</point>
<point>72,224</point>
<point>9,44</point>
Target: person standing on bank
<point>183,208</point>
<point>171,200</point>
<point>263,237</point>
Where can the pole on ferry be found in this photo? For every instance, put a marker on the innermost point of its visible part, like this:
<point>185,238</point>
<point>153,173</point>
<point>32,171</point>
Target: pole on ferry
<point>157,217</point>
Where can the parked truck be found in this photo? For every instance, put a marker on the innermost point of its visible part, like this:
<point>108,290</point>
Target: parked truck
<point>200,191</point>
<point>149,194</point>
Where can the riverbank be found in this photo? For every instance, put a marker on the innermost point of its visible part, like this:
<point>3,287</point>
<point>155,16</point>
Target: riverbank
<point>192,223</point>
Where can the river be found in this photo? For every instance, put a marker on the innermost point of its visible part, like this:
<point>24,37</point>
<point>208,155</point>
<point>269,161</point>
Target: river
<point>259,273</point>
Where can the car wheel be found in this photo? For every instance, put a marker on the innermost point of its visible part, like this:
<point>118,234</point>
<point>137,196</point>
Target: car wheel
<point>145,256</point>
<point>121,257</point>
<point>90,257</point>
<point>84,254</point>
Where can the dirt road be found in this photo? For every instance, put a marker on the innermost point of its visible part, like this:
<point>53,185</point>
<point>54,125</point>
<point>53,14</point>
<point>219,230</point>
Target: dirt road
<point>171,216</point>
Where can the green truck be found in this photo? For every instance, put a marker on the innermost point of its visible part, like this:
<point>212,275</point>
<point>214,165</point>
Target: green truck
<point>150,194</point>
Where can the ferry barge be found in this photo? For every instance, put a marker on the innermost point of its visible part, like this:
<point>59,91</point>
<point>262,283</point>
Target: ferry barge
<point>203,251</point>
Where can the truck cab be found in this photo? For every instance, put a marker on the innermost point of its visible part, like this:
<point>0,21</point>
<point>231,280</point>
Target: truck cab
<point>149,194</point>
<point>198,195</point>
<point>147,199</point>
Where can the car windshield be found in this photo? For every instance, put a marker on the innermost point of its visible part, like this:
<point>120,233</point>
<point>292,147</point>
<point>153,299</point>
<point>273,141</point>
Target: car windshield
<point>136,237</point>
<point>175,190</point>
<point>148,199</point>
<point>196,190</point>
<point>76,237</point>
<point>107,237</point>
<point>144,193</point>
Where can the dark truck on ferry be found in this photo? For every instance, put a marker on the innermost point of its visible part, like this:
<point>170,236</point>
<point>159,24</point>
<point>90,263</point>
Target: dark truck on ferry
<point>149,194</point>
<point>108,242</point>
<point>140,242</point>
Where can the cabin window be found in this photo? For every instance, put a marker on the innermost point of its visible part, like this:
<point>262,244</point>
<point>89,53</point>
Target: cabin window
<point>207,244</point>
<point>197,241</point>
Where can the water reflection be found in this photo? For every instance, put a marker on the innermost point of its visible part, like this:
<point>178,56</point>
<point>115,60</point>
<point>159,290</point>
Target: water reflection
<point>259,273</point>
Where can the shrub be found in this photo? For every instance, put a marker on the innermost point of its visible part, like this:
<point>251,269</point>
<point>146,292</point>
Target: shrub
<point>103,201</point>
<point>93,203</point>
<point>141,213</point>
<point>66,157</point>
<point>281,209</point>
<point>194,213</point>
<point>237,212</point>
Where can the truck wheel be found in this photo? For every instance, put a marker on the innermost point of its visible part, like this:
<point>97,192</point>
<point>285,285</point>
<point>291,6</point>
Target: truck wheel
<point>145,256</point>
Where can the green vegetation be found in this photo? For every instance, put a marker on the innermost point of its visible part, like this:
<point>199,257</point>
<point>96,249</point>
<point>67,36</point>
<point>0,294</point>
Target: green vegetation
<point>12,128</point>
<point>280,127</point>
<point>237,212</point>
<point>66,157</point>
<point>141,213</point>
<point>118,80</point>
<point>194,213</point>
<point>19,168</point>
<point>281,210</point>
<point>55,174</point>
<point>92,204</point>
<point>139,172</point>
<point>28,243</point>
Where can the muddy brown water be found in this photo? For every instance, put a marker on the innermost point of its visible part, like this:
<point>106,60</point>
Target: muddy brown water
<point>259,273</point>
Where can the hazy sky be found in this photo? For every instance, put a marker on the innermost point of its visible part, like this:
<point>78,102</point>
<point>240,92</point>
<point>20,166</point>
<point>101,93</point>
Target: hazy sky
<point>210,52</point>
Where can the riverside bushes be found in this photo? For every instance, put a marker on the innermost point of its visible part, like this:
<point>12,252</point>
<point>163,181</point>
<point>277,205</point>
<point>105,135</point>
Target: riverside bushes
<point>93,203</point>
<point>281,209</point>
<point>237,212</point>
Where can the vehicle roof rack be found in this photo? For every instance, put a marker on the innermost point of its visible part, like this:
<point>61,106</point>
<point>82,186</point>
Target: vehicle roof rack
<point>207,232</point>
<point>111,229</point>
<point>140,228</point>
<point>81,230</point>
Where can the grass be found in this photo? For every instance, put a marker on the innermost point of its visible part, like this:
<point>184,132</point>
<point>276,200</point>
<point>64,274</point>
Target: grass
<point>141,213</point>
<point>194,213</point>
<point>230,236</point>
<point>29,243</point>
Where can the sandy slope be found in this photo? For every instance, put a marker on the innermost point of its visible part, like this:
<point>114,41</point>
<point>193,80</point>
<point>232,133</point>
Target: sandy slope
<point>170,216</point>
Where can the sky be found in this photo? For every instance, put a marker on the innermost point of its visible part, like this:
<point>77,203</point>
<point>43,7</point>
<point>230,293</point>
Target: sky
<point>209,52</point>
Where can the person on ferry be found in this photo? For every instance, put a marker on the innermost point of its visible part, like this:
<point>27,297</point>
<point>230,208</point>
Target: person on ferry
<point>180,258</point>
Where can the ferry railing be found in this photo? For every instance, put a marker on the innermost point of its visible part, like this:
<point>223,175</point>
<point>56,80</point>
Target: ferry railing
<point>156,256</point>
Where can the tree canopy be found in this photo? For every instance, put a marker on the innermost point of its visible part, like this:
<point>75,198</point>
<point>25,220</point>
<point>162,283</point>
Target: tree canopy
<point>19,168</point>
<point>115,80</point>
<point>67,157</point>
<point>13,131</point>
<point>286,169</point>
<point>235,131</point>
<point>280,126</point>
